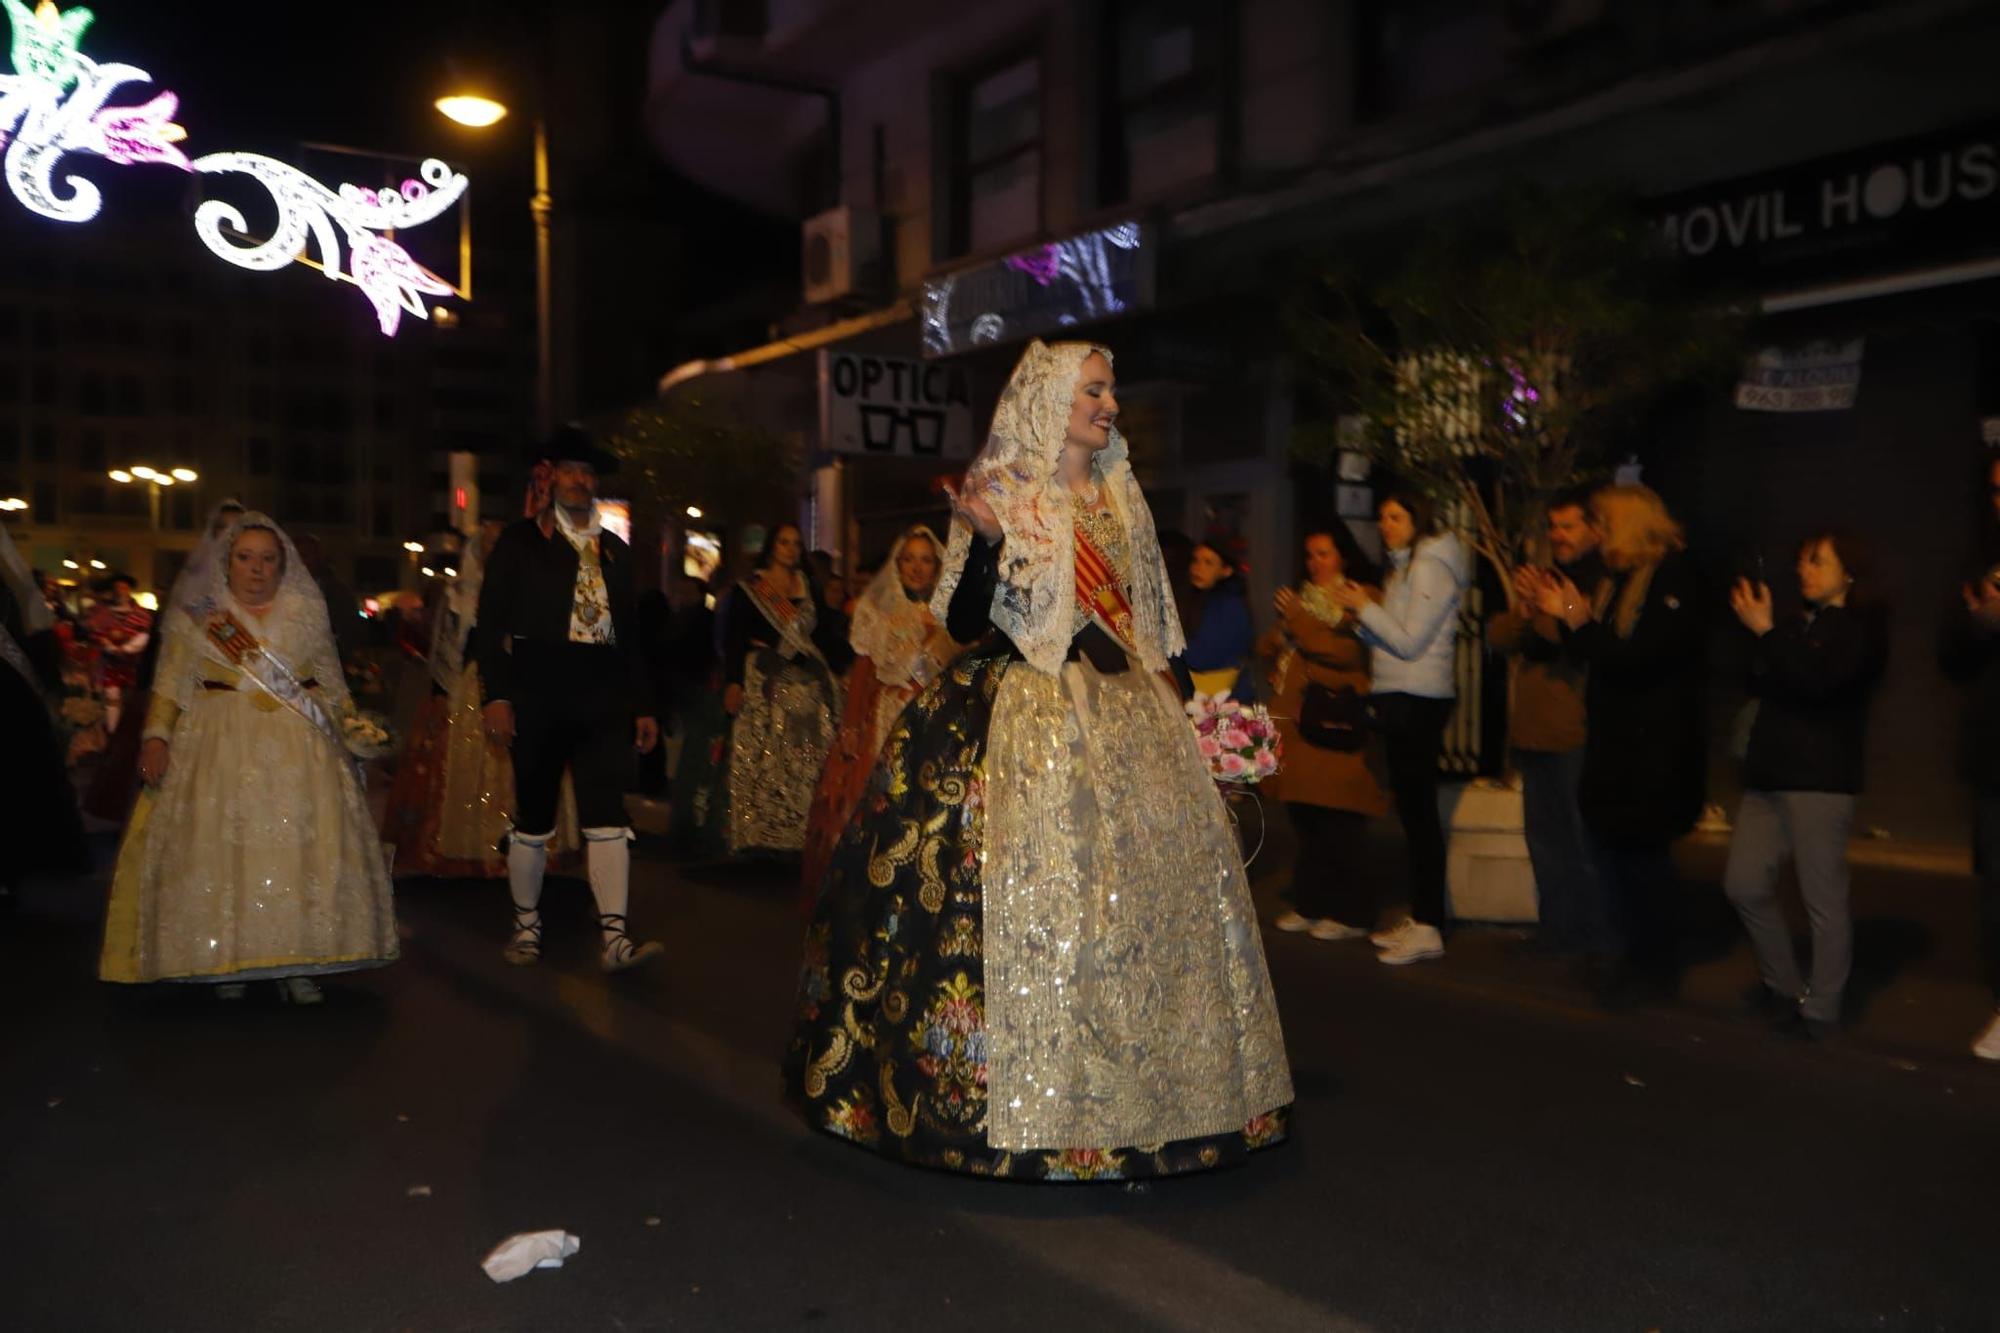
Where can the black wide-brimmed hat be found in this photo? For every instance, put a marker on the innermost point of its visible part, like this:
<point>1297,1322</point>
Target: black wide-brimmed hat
<point>573,442</point>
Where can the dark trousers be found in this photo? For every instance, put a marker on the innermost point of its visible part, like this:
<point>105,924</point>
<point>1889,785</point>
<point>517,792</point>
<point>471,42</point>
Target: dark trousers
<point>1326,874</point>
<point>1566,893</point>
<point>571,711</point>
<point>1633,914</point>
<point>1986,863</point>
<point>1413,736</point>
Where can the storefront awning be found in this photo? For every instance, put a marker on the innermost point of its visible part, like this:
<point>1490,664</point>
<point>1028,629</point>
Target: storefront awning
<point>894,313</point>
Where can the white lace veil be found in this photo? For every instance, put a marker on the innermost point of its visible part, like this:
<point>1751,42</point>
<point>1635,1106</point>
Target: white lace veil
<point>1034,604</point>
<point>20,580</point>
<point>194,574</point>
<point>889,629</point>
<point>451,625</point>
<point>296,627</point>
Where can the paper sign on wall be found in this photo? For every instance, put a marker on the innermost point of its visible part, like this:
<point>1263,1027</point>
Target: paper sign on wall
<point>1816,377</point>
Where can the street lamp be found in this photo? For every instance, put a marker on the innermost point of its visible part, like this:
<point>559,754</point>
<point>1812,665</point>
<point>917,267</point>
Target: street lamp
<point>12,504</point>
<point>475,110</point>
<point>156,481</point>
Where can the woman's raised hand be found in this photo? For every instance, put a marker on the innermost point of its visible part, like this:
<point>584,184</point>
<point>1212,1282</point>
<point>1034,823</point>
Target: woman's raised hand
<point>1752,605</point>
<point>1348,595</point>
<point>1287,602</point>
<point>973,510</point>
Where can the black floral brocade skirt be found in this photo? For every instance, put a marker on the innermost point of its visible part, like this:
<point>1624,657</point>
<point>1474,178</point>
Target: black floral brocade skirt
<point>890,1047</point>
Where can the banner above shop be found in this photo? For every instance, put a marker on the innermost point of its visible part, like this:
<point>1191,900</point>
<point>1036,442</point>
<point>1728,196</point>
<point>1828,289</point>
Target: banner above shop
<point>890,406</point>
<point>1077,281</point>
<point>1933,200</point>
<point>1817,377</point>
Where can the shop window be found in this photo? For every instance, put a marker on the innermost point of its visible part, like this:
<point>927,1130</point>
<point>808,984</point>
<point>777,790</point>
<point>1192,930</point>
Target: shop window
<point>995,160</point>
<point>1165,86</point>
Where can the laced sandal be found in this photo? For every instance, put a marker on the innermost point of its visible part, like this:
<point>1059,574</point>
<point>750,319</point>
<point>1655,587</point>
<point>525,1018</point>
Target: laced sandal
<point>525,949</point>
<point>619,950</point>
<point>299,990</point>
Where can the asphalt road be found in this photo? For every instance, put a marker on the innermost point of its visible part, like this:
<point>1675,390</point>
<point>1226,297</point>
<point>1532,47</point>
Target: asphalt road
<point>1466,1157</point>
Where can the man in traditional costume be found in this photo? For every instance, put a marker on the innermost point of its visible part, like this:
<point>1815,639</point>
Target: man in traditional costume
<point>566,687</point>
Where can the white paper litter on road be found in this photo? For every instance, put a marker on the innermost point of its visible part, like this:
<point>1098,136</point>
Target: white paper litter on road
<point>528,1251</point>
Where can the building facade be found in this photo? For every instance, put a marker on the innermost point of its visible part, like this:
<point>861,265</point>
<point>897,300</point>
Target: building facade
<point>1149,172</point>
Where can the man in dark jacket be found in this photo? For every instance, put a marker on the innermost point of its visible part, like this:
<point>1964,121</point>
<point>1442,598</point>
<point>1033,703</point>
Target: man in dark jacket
<point>566,684</point>
<point>1971,656</point>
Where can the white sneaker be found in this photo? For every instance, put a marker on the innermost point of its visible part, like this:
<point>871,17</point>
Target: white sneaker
<point>1329,929</point>
<point>1412,946</point>
<point>1292,923</point>
<point>1988,1045</point>
<point>1388,935</point>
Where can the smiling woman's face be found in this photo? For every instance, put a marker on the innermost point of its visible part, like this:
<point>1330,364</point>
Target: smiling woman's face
<point>1095,407</point>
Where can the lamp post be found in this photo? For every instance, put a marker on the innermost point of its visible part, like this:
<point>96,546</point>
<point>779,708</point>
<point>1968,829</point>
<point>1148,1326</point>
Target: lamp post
<point>477,111</point>
<point>156,480</point>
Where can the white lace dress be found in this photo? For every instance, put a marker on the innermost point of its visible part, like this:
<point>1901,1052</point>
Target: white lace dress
<point>256,856</point>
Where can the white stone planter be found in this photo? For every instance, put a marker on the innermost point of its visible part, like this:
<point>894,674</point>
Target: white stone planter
<point>1487,872</point>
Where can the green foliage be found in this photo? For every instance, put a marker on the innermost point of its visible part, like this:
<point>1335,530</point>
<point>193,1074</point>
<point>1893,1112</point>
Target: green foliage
<point>695,450</point>
<point>1502,354</point>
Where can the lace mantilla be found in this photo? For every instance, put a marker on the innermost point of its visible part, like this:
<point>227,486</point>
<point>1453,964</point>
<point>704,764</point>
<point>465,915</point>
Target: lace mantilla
<point>1016,473</point>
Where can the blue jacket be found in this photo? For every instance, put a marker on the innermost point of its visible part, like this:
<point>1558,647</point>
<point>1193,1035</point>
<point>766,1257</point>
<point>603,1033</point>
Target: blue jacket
<point>1414,629</point>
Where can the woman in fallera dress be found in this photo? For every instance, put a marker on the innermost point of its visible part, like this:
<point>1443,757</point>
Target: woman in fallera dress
<point>780,658</point>
<point>452,803</point>
<point>1034,955</point>
<point>899,648</point>
<point>252,854</point>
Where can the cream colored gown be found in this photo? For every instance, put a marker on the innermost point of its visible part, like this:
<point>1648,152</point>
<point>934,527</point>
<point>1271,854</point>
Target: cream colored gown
<point>255,856</point>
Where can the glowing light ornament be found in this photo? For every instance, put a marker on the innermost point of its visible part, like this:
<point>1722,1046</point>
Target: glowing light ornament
<point>47,43</point>
<point>309,211</point>
<point>57,102</point>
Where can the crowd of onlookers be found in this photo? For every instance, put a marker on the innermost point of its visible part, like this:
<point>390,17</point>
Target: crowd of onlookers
<point>1605,640</point>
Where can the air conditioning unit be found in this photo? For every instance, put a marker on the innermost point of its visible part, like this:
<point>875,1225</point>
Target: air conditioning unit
<point>842,253</point>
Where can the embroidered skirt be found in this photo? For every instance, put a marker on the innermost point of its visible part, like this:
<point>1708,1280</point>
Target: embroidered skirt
<point>1035,956</point>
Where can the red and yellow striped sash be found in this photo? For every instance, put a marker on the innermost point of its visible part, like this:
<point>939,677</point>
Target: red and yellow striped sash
<point>1098,591</point>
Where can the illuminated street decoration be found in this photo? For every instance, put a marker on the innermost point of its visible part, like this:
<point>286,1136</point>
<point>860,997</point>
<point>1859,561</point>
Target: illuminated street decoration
<point>57,102</point>
<point>1080,279</point>
<point>308,210</point>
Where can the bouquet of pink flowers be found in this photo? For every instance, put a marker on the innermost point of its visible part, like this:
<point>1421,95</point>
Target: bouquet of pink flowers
<point>1239,741</point>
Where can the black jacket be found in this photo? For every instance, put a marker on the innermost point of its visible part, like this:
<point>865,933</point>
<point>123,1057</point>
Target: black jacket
<point>527,596</point>
<point>1971,656</point>
<point>1813,680</point>
<point>1644,761</point>
<point>970,614</point>
<point>744,630</point>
